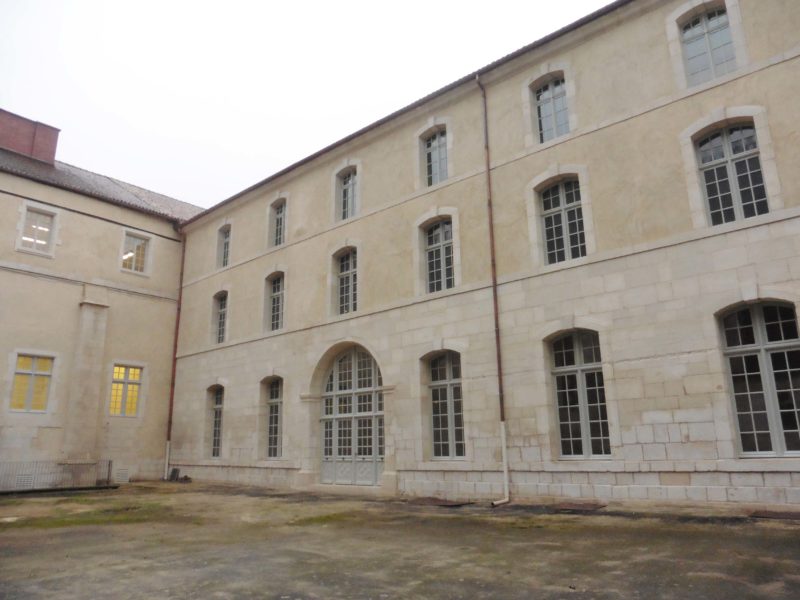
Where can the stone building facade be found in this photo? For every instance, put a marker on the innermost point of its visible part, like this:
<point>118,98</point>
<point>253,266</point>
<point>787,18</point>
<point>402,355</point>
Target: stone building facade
<point>573,273</point>
<point>338,320</point>
<point>90,278</point>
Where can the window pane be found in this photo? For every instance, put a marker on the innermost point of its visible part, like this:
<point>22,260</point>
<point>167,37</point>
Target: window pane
<point>19,394</point>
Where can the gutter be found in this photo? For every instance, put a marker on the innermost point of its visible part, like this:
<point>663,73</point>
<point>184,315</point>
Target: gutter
<point>174,358</point>
<point>498,352</point>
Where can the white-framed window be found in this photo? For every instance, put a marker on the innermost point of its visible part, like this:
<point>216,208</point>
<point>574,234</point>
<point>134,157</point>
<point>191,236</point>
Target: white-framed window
<point>38,231</point>
<point>31,388</point>
<point>348,281</point>
<point>346,198</point>
<point>580,395</point>
<point>274,417</point>
<point>552,112</point>
<point>275,299</point>
<point>126,384</point>
<point>223,246</point>
<point>762,351</point>
<point>562,221</point>
<point>708,48</point>
<point>278,222</point>
<point>216,396</point>
<point>134,253</point>
<point>220,318</point>
<point>435,156</point>
<point>730,171</point>
<point>439,255</point>
<point>447,407</point>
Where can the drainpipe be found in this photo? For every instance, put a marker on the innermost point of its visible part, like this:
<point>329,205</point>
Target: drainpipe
<point>174,357</point>
<point>499,356</point>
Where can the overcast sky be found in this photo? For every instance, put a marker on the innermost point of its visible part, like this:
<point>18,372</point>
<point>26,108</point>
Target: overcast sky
<point>198,100</point>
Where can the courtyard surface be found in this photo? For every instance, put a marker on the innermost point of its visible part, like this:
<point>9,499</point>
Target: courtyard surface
<point>197,540</point>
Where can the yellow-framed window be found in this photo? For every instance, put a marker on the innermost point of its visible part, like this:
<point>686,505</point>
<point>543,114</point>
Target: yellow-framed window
<point>31,387</point>
<point>125,388</point>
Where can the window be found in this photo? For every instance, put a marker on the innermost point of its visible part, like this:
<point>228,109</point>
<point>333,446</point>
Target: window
<point>762,349</point>
<point>346,195</point>
<point>217,394</point>
<point>275,296</point>
<point>348,282</point>
<point>274,401</point>
<point>730,170</point>
<point>224,246</point>
<point>439,255</point>
<point>37,233</point>
<point>220,316</point>
<point>352,420</point>
<point>447,406</point>
<point>562,218</point>
<point>436,157</point>
<point>552,114</point>
<point>134,253</point>
<point>31,383</point>
<point>708,50</point>
<point>580,395</point>
<point>278,222</point>
<point>125,388</point>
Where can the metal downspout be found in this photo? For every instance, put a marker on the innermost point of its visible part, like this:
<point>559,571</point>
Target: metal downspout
<point>174,357</point>
<point>498,351</point>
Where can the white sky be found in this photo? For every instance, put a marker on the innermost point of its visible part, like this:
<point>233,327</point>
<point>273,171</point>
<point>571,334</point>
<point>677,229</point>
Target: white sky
<point>199,100</point>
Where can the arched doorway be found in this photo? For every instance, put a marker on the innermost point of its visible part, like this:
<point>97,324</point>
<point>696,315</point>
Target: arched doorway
<point>352,420</point>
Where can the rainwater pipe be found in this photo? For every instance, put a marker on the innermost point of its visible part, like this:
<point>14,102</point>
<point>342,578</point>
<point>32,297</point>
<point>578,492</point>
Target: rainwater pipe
<point>498,352</point>
<point>174,357</point>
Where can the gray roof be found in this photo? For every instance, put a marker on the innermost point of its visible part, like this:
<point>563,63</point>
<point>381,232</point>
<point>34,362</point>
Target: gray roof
<point>108,189</point>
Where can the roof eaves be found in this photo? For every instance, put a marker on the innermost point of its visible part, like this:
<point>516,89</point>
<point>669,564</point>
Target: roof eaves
<point>609,8</point>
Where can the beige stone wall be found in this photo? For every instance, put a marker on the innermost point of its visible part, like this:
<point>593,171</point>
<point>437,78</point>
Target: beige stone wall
<point>654,277</point>
<point>79,307</point>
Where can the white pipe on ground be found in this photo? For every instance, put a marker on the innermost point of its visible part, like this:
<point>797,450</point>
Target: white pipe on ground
<point>505,499</point>
<point>166,463</point>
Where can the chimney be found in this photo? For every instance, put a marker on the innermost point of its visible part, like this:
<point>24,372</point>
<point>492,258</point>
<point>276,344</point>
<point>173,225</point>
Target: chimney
<point>27,137</point>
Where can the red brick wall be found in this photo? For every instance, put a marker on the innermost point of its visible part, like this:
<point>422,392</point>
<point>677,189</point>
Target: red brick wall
<point>27,137</point>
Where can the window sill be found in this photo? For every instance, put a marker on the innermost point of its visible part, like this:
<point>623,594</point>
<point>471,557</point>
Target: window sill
<point>27,412</point>
<point>145,274</point>
<point>50,255</point>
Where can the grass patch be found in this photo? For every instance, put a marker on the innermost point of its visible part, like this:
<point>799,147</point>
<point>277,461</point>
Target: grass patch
<point>338,517</point>
<point>10,501</point>
<point>113,515</point>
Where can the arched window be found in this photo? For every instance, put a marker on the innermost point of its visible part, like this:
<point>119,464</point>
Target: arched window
<point>552,113</point>
<point>447,409</point>
<point>708,50</point>
<point>273,309</point>
<point>562,221</point>
<point>216,395</point>
<point>762,349</point>
<point>435,156</point>
<point>277,222</point>
<point>272,396</point>
<point>346,201</point>
<point>220,318</point>
<point>223,246</point>
<point>352,420</point>
<point>439,255</point>
<point>347,281</point>
<point>730,169</point>
<point>580,395</point>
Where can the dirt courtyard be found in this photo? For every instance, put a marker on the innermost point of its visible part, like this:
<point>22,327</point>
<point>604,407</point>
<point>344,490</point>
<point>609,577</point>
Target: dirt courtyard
<point>197,540</point>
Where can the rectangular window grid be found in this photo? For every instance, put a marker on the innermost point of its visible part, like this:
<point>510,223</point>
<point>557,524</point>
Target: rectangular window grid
<point>276,303</point>
<point>134,253</point>
<point>38,231</point>
<point>225,246</point>
<point>561,204</point>
<point>348,195</point>
<point>125,387</point>
<point>551,110</point>
<point>32,375</point>
<point>279,223</point>
<point>439,252</point>
<point>274,420</point>
<point>216,430</point>
<point>348,283</point>
<point>222,315</point>
<point>436,157</point>
<point>447,406</point>
<point>708,47</point>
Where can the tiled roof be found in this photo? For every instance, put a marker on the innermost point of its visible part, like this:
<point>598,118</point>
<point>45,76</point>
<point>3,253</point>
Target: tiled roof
<point>104,188</point>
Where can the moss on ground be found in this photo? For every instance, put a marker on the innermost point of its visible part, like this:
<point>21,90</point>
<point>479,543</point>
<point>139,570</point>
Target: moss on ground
<point>111,515</point>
